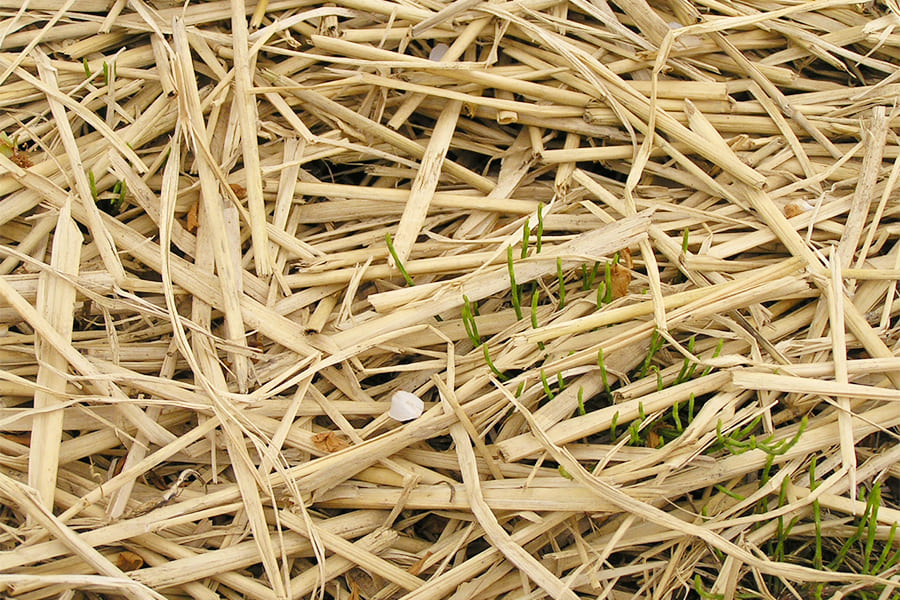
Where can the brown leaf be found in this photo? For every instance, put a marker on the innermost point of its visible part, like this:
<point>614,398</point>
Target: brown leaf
<point>417,566</point>
<point>792,209</point>
<point>116,466</point>
<point>193,222</point>
<point>21,159</point>
<point>238,190</point>
<point>367,584</point>
<point>153,478</point>
<point>627,260</point>
<point>621,278</point>
<point>129,561</point>
<point>22,438</point>
<point>330,441</point>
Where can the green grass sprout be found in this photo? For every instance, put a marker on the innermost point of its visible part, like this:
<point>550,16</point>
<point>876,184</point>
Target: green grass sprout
<point>539,234</point>
<point>490,363</point>
<point>390,244</point>
<point>656,343</point>
<point>562,282</point>
<point>516,293</point>
<point>603,374</point>
<point>526,233</point>
<point>468,318</point>
<point>93,185</point>
<point>546,385</point>
<point>698,587</point>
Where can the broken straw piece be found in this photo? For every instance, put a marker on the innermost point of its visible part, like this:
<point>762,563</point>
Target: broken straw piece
<point>405,406</point>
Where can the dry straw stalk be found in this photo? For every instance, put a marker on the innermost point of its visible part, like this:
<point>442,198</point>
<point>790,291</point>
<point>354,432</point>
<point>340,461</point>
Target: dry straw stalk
<point>638,259</point>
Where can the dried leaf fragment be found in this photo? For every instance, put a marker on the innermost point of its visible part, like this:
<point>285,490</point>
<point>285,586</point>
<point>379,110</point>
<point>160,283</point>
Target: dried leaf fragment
<point>193,222</point>
<point>129,561</point>
<point>416,567</point>
<point>21,159</point>
<point>621,278</point>
<point>627,259</point>
<point>238,190</point>
<point>330,441</point>
<point>797,207</point>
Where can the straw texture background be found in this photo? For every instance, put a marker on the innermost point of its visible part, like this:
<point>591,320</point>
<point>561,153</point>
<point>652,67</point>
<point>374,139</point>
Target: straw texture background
<point>637,257</point>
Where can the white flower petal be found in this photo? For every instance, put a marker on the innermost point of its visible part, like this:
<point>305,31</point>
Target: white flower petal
<point>405,406</point>
<point>438,52</point>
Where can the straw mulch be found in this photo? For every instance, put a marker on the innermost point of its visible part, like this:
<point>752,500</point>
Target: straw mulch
<point>638,259</point>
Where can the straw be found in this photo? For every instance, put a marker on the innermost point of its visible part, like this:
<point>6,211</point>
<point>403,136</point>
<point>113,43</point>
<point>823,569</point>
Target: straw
<point>628,255</point>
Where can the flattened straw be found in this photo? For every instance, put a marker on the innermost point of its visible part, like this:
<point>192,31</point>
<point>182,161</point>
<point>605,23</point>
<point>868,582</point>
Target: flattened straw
<point>35,39</point>
<point>839,352</point>
<point>357,554</point>
<point>426,181</point>
<point>28,501</point>
<point>459,46</point>
<point>293,149</point>
<point>565,170</point>
<point>630,505</point>
<point>600,242</point>
<point>56,301</point>
<point>648,21</point>
<point>292,119</point>
<point>876,219</point>
<point>498,537</point>
<point>94,377</point>
<point>448,396</point>
<point>138,451</point>
<point>211,203</point>
<point>441,199</point>
<point>373,543</point>
<point>234,324</point>
<point>395,139</point>
<point>245,102</point>
<point>875,136</point>
<point>100,235</point>
<point>406,12</point>
<point>778,223</point>
<point>808,385</point>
